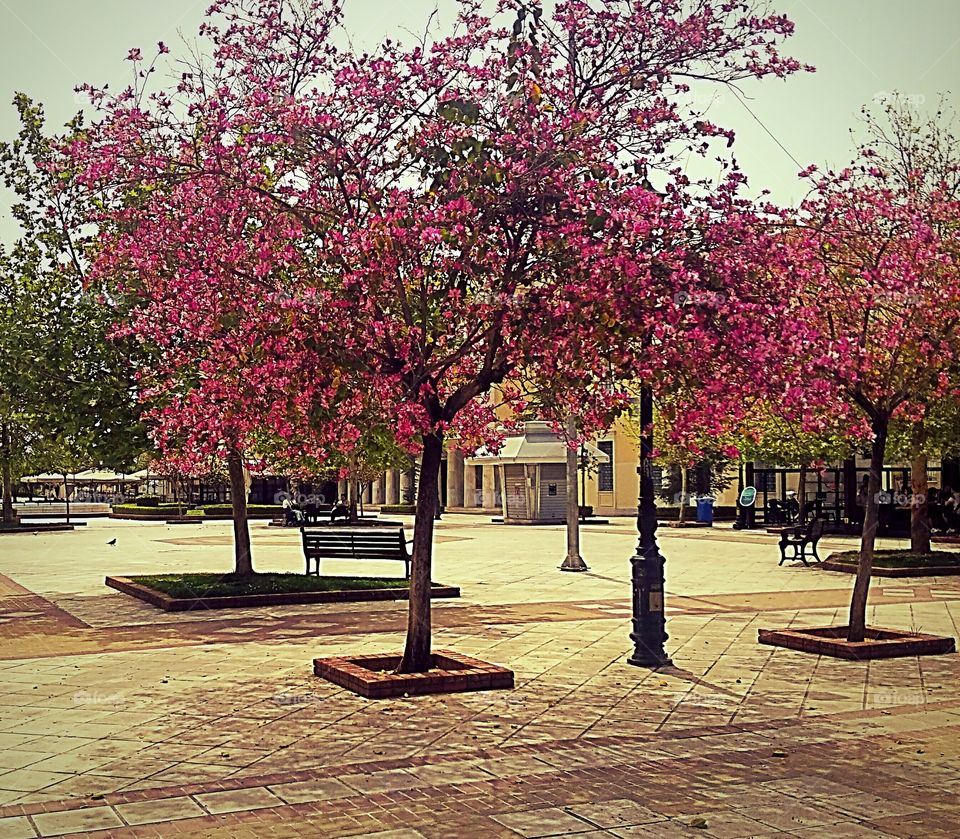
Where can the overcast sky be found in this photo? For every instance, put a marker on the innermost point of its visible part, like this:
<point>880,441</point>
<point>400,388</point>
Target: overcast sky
<point>861,49</point>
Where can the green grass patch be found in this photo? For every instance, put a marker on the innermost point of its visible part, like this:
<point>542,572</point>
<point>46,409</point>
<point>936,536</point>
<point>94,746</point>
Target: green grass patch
<point>252,509</point>
<point>902,559</point>
<point>227,585</point>
<point>158,509</point>
<point>399,509</point>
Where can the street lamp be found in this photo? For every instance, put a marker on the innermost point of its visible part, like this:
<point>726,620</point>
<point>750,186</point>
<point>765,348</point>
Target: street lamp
<point>649,624</point>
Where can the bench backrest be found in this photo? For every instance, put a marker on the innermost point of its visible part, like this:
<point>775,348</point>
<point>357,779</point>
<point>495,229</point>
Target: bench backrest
<point>371,543</point>
<point>815,529</point>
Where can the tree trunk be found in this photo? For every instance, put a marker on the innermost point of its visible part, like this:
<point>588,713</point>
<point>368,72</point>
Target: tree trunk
<point>919,502</point>
<point>243,559</point>
<point>684,487</point>
<point>582,466</point>
<point>871,518</point>
<point>802,493</point>
<point>6,456</point>
<point>66,495</point>
<point>850,512</point>
<point>573,561</point>
<point>412,489</point>
<point>352,484</point>
<point>416,653</point>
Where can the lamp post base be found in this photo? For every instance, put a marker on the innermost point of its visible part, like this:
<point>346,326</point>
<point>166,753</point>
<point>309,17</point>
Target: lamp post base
<point>652,660</point>
<point>574,563</point>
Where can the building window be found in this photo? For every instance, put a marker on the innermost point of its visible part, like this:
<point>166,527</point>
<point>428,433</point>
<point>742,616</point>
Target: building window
<point>605,470</point>
<point>765,480</point>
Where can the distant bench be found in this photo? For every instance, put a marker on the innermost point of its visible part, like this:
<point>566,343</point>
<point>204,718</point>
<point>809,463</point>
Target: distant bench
<point>364,543</point>
<point>803,541</point>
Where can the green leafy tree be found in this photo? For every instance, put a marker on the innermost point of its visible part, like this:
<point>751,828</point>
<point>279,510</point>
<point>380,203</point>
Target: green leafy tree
<point>934,433</point>
<point>918,154</point>
<point>687,453</point>
<point>774,436</point>
<point>63,379</point>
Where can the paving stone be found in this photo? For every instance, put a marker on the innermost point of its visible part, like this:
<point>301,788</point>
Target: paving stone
<point>385,781</point>
<point>29,779</point>
<point>231,801</point>
<point>549,821</point>
<point>160,810</point>
<point>299,792</point>
<point>76,821</point>
<point>619,812</point>
<point>16,827</point>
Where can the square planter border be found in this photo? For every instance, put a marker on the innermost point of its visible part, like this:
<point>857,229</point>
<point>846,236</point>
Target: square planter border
<point>241,601</point>
<point>39,527</point>
<point>831,563</point>
<point>878,643</point>
<point>371,675</point>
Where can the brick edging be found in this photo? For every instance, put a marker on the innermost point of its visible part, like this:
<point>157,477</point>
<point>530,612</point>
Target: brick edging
<point>181,604</point>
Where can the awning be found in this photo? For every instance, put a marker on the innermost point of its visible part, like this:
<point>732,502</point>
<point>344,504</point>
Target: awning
<point>87,476</point>
<point>102,476</point>
<point>538,444</point>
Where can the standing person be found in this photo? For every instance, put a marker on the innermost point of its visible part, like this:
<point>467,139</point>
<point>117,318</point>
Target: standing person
<point>951,510</point>
<point>938,508</point>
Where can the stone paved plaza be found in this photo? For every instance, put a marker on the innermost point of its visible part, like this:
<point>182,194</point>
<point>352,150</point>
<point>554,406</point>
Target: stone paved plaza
<point>117,719</point>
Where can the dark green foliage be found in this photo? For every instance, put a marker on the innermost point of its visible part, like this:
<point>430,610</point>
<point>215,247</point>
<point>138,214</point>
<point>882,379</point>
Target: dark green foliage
<point>902,559</point>
<point>228,585</point>
<point>67,391</point>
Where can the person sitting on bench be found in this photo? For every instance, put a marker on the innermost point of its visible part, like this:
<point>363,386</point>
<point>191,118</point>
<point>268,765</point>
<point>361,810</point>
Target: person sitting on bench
<point>341,510</point>
<point>291,515</point>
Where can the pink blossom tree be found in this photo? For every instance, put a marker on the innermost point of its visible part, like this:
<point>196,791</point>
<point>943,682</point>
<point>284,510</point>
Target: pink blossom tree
<point>870,269</point>
<point>405,230</point>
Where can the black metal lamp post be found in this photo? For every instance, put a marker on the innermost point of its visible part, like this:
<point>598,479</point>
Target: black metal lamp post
<point>649,623</point>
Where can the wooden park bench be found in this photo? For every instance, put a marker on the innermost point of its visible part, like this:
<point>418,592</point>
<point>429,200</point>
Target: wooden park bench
<point>801,539</point>
<point>316,513</point>
<point>363,543</point>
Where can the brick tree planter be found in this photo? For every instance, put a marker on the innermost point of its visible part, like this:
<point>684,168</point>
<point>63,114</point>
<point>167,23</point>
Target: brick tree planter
<point>243,601</point>
<point>45,527</point>
<point>836,562</point>
<point>372,676</point>
<point>879,643</point>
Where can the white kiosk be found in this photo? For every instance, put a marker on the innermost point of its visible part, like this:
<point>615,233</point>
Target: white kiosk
<point>533,477</point>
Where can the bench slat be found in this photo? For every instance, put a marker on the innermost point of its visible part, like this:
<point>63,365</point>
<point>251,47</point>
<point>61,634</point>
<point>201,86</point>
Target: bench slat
<point>378,546</point>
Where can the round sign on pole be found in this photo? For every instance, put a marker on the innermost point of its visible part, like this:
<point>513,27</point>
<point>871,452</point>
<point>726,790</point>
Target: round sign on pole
<point>748,496</point>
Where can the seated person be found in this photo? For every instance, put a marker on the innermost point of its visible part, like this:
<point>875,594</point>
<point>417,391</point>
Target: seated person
<point>341,510</point>
<point>291,515</point>
<point>791,507</point>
